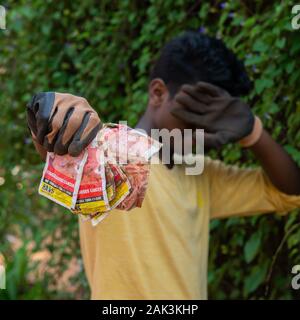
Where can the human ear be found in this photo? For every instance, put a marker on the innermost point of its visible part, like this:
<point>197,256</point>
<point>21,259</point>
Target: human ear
<point>158,92</point>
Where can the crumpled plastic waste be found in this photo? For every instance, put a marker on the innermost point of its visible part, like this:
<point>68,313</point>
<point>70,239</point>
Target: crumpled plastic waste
<point>112,172</point>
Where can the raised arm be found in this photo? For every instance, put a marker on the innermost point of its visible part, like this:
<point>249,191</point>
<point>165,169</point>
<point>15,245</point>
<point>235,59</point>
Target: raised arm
<point>229,119</point>
<point>278,165</point>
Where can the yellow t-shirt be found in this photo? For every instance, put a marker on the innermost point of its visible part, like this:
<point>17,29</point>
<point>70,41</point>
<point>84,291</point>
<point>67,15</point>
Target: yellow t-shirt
<point>160,251</point>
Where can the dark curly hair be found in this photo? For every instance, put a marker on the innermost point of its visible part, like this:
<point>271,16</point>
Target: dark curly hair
<point>193,57</point>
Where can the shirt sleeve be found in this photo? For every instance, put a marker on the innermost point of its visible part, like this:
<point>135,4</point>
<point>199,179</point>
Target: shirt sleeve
<point>244,192</point>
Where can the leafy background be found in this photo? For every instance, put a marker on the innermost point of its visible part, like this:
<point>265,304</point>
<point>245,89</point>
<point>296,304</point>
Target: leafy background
<point>103,50</point>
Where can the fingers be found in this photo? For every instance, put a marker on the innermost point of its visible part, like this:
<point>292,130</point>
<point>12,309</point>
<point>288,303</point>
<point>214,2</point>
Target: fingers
<point>61,121</point>
<point>88,130</point>
<point>73,124</point>
<point>196,94</point>
<point>55,125</point>
<point>202,97</point>
<point>76,132</point>
<point>59,146</point>
<point>192,118</point>
<point>212,140</point>
<point>93,122</point>
<point>42,109</point>
<point>191,103</point>
<point>210,89</point>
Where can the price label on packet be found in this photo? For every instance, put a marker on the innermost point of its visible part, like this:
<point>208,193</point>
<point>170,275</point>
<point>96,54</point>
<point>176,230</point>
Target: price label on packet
<point>61,178</point>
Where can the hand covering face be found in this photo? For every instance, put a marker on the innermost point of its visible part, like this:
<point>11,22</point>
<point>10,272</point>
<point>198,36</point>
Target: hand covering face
<point>224,118</point>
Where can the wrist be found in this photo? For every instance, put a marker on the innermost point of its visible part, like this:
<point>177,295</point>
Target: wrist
<point>254,136</point>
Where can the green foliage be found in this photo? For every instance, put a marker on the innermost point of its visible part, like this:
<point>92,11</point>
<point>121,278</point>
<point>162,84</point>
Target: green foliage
<point>103,50</point>
<point>17,286</point>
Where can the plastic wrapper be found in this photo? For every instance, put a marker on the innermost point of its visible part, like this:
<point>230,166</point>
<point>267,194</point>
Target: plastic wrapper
<point>61,178</point>
<point>138,177</point>
<point>111,173</point>
<point>93,191</point>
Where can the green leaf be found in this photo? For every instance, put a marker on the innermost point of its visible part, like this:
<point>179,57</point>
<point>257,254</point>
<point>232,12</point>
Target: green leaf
<point>252,246</point>
<point>255,279</point>
<point>260,46</point>
<point>262,84</point>
<point>280,43</point>
<point>290,66</point>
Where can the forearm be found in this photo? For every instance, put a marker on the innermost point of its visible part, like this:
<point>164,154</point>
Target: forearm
<point>278,165</point>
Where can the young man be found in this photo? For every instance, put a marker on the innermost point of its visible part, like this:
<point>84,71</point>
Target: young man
<point>160,251</point>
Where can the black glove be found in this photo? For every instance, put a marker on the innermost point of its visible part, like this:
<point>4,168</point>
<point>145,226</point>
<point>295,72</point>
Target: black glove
<point>224,118</point>
<point>62,123</point>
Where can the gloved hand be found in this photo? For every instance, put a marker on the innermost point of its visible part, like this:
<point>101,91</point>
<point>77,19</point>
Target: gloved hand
<point>224,118</point>
<point>62,123</point>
